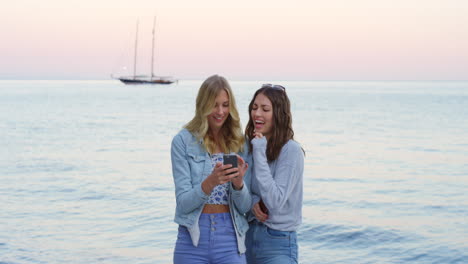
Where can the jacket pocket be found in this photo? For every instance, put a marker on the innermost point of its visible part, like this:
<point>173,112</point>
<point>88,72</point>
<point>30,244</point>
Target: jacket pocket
<point>197,165</point>
<point>277,234</point>
<point>196,158</point>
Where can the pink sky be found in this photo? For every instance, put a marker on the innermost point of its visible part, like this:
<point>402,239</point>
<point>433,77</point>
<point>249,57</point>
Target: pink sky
<point>242,40</point>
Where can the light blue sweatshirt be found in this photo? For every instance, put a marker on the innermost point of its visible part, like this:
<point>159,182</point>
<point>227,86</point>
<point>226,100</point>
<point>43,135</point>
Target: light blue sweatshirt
<point>279,184</point>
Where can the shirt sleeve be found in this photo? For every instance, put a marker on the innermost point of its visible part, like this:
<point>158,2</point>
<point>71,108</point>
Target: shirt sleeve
<point>253,187</point>
<point>188,197</point>
<point>276,190</point>
<point>242,198</point>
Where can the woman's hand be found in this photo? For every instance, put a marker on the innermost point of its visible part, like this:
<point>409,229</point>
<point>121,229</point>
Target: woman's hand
<point>257,134</point>
<point>218,176</point>
<point>238,181</point>
<point>260,214</point>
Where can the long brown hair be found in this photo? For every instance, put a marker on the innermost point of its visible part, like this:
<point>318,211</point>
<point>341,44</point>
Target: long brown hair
<point>232,139</point>
<point>282,130</point>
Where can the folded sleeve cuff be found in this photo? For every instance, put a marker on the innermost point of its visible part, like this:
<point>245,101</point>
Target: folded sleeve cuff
<point>238,193</point>
<point>201,194</point>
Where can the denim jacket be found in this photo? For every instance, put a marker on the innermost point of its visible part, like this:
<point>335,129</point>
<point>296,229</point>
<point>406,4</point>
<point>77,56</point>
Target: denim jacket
<point>191,164</point>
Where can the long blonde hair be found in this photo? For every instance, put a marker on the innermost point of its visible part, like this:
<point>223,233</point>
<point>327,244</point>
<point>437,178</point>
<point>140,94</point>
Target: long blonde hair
<point>231,139</point>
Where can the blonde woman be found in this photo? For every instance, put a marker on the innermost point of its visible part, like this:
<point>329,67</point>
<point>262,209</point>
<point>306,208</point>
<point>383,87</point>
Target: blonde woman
<point>212,198</point>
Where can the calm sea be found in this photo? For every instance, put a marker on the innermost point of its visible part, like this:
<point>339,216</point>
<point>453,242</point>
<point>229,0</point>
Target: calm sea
<point>85,171</point>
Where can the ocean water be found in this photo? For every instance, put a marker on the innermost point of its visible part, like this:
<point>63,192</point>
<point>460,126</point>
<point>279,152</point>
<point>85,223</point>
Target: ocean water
<point>85,171</point>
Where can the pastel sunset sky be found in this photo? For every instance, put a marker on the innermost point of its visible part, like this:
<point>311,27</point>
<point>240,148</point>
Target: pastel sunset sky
<point>242,40</point>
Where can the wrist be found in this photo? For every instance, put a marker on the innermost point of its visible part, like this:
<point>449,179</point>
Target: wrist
<point>238,188</point>
<point>259,141</point>
<point>207,186</point>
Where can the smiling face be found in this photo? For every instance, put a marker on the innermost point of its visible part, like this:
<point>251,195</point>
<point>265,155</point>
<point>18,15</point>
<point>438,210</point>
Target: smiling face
<point>220,111</point>
<point>262,115</point>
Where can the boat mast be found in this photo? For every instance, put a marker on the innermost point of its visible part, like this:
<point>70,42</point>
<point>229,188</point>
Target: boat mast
<point>135,57</point>
<point>152,49</point>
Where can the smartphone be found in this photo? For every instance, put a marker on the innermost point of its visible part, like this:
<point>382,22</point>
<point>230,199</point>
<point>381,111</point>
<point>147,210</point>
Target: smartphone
<point>263,206</point>
<point>230,159</point>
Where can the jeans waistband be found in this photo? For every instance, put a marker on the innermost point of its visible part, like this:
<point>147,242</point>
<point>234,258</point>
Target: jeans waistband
<point>256,222</point>
<point>223,216</point>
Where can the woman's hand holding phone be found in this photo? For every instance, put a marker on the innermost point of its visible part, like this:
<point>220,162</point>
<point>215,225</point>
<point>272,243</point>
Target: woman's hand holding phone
<point>238,169</point>
<point>226,173</point>
<point>218,176</point>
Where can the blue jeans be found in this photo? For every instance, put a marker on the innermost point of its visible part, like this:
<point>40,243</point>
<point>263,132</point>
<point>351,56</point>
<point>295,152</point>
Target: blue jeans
<point>266,245</point>
<point>218,243</point>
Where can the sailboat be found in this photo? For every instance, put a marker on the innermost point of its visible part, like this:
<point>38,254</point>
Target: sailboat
<point>145,79</point>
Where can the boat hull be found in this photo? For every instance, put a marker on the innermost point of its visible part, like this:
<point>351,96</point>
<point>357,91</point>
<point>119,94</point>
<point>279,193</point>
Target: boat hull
<point>137,81</point>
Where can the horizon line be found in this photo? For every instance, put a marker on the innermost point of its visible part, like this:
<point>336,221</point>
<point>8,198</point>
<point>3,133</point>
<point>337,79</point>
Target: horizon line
<point>248,80</point>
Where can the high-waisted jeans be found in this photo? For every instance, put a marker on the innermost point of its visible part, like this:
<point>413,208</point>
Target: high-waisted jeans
<point>266,245</point>
<point>218,243</point>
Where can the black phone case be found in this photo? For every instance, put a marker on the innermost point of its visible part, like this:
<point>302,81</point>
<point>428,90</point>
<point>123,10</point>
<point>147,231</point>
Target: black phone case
<point>230,159</point>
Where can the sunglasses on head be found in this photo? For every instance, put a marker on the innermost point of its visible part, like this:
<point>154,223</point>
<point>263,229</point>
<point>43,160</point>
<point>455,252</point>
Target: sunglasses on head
<point>274,86</point>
